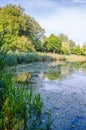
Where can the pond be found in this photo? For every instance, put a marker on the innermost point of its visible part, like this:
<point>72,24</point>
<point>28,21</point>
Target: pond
<point>63,89</point>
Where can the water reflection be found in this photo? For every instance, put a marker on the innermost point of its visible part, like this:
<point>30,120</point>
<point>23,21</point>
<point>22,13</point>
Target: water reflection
<point>60,72</point>
<point>51,71</point>
<point>84,68</point>
<point>22,77</point>
<point>63,90</point>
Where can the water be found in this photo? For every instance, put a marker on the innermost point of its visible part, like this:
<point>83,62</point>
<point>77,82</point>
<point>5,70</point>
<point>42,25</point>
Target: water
<point>63,89</point>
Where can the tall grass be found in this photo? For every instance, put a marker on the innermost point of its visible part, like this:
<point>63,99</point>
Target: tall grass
<point>76,58</point>
<point>20,109</point>
<point>24,58</point>
<point>67,58</point>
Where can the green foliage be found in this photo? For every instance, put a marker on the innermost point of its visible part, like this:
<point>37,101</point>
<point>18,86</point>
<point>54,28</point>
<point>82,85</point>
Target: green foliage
<point>21,57</point>
<point>45,44</point>
<point>65,48</point>
<point>69,46</point>
<point>2,58</point>
<point>20,32</point>
<point>63,37</point>
<point>72,45</point>
<point>77,50</point>
<point>12,20</point>
<point>15,26</point>
<point>84,49</point>
<point>53,73</point>
<point>38,45</point>
<point>53,44</point>
<point>61,44</point>
<point>19,107</point>
<point>22,44</point>
<point>36,33</point>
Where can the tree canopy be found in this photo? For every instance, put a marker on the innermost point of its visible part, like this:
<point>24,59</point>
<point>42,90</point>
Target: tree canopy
<point>14,22</point>
<point>53,44</point>
<point>19,31</point>
<point>84,49</point>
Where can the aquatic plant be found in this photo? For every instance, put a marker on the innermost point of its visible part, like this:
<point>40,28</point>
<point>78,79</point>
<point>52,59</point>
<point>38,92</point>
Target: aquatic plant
<point>20,108</point>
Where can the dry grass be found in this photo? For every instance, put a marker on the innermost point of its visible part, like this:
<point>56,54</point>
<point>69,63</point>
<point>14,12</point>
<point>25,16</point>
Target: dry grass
<point>76,58</point>
<point>54,56</point>
<point>68,58</point>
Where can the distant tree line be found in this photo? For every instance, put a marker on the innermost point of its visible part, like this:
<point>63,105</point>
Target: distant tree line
<point>20,32</point>
<point>63,45</point>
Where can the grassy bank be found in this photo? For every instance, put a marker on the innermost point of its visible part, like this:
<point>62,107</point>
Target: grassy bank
<point>67,58</point>
<point>25,58</point>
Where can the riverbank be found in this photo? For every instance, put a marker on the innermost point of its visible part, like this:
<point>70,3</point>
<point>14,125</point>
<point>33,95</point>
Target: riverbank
<point>25,58</point>
<point>67,58</point>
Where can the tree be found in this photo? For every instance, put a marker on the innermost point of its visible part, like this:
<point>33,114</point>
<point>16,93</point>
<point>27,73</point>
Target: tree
<point>72,45</point>
<point>22,44</point>
<point>68,46</point>
<point>63,37</point>
<point>53,44</point>
<point>84,49</point>
<point>65,48</point>
<point>77,50</point>
<point>14,22</point>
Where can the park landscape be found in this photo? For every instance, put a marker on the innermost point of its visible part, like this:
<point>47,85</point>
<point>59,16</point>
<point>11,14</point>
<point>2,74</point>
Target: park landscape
<point>42,78</point>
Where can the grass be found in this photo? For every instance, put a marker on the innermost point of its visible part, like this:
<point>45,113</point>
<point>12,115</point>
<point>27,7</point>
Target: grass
<point>25,58</point>
<point>76,58</point>
<point>20,108</point>
<point>67,58</point>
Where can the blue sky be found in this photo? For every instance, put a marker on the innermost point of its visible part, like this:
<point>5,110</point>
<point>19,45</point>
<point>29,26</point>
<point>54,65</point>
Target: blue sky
<point>57,16</point>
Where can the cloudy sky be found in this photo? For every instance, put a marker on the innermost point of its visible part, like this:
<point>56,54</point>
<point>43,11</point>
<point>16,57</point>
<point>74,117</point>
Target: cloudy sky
<point>57,16</point>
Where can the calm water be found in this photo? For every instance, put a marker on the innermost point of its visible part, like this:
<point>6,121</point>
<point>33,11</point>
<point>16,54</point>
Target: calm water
<point>63,89</point>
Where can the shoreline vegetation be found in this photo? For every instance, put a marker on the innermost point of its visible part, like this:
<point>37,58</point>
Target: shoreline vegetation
<point>20,107</point>
<point>26,42</point>
<point>16,58</point>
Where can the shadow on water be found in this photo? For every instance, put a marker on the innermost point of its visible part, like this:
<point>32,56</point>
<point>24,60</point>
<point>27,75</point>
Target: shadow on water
<point>62,88</point>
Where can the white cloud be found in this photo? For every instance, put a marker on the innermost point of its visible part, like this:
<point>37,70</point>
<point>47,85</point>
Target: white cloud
<point>69,21</point>
<point>79,1</point>
<point>40,4</point>
<point>57,17</point>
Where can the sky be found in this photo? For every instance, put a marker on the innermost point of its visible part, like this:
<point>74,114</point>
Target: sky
<point>57,16</point>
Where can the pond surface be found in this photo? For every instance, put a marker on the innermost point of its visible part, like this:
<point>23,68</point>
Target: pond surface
<point>63,89</point>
